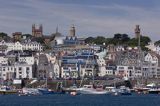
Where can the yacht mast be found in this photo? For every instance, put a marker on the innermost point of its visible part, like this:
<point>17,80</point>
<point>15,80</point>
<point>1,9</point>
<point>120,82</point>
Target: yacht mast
<point>86,67</point>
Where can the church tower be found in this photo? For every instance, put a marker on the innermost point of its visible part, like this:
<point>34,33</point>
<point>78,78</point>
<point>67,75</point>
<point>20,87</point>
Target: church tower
<point>37,31</point>
<point>137,31</point>
<point>72,31</point>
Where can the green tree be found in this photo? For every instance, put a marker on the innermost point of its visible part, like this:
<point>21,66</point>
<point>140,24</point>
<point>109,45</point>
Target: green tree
<point>39,40</point>
<point>4,36</point>
<point>89,40</point>
<point>133,42</point>
<point>157,42</point>
<point>120,38</point>
<point>100,40</point>
<point>144,41</point>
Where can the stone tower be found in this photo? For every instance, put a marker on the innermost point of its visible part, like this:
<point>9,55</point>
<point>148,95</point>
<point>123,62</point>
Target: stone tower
<point>72,31</point>
<point>137,31</point>
<point>37,31</point>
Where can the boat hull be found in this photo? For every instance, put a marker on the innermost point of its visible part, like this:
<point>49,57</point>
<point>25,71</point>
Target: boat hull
<point>92,92</point>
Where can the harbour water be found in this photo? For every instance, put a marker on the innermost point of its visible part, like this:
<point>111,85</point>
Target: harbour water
<point>80,100</point>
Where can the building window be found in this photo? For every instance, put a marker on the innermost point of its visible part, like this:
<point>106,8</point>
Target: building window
<point>27,68</point>
<point>20,72</point>
<point>20,68</point>
<point>121,67</point>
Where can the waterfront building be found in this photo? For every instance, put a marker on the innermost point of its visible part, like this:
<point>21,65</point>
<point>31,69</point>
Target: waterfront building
<point>152,66</point>
<point>16,71</point>
<point>110,70</point>
<point>78,64</point>
<point>129,62</point>
<point>104,69</point>
<point>101,67</point>
<point>125,71</point>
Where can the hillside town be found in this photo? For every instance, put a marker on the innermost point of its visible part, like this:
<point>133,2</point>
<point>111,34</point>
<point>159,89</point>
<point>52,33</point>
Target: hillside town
<point>70,57</point>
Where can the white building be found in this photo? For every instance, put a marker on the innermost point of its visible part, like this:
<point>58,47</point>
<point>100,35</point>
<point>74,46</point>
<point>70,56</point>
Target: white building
<point>17,71</point>
<point>125,71</point>
<point>154,48</point>
<point>101,67</point>
<point>51,58</point>
<point>138,72</point>
<point>56,69</point>
<point>35,46</point>
<point>3,60</point>
<point>69,72</point>
<point>14,46</point>
<point>27,59</point>
<point>22,46</point>
<point>110,70</point>
<point>151,68</point>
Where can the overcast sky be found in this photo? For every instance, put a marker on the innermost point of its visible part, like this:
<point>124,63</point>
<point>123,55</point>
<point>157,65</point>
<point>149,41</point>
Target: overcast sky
<point>91,17</point>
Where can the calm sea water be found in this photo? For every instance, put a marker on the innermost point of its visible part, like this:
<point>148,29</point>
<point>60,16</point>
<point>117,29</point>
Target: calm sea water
<point>80,100</point>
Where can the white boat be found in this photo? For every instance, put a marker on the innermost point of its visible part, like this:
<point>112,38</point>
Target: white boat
<point>89,89</point>
<point>113,90</point>
<point>30,91</point>
<point>71,88</point>
<point>124,90</point>
<point>7,90</point>
<point>4,88</point>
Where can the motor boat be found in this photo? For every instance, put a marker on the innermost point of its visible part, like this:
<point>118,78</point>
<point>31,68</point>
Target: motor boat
<point>90,89</point>
<point>30,91</point>
<point>124,90</point>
